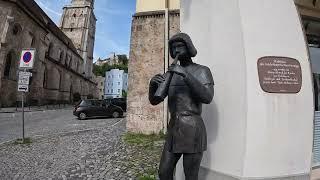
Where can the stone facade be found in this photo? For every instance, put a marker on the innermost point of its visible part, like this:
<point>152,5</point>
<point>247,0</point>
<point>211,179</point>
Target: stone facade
<point>310,15</point>
<point>100,85</point>
<point>309,8</point>
<point>146,60</point>
<point>58,71</point>
<point>78,22</point>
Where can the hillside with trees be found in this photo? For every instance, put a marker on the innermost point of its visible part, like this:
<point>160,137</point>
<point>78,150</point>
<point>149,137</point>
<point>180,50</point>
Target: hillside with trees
<point>122,65</point>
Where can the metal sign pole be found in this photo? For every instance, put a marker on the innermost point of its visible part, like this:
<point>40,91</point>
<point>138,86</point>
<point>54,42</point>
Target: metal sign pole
<point>166,62</point>
<point>23,93</point>
<point>23,117</point>
<point>26,62</point>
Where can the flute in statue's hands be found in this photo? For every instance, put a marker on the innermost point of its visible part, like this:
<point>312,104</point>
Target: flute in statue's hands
<point>163,81</point>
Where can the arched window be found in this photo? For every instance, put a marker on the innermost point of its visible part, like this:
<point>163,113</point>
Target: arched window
<point>16,29</point>
<point>67,60</point>
<point>53,78</point>
<point>79,67</point>
<point>60,81</point>
<point>8,66</point>
<point>71,27</point>
<point>61,55</point>
<point>33,40</point>
<point>44,83</point>
<point>76,65</point>
<point>50,48</point>
<point>70,62</point>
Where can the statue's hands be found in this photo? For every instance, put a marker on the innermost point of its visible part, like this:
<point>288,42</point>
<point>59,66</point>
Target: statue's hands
<point>175,68</point>
<point>157,79</point>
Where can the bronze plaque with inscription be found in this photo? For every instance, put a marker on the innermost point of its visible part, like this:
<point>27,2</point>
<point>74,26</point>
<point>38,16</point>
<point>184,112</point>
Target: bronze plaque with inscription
<point>279,74</point>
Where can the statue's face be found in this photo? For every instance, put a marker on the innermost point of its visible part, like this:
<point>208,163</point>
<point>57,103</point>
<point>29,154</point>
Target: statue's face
<point>180,48</point>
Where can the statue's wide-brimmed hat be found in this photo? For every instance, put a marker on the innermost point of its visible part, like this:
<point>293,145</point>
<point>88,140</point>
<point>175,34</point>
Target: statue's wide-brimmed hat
<point>183,37</point>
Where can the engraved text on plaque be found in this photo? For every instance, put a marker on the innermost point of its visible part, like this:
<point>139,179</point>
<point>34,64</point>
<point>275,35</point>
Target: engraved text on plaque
<point>279,74</point>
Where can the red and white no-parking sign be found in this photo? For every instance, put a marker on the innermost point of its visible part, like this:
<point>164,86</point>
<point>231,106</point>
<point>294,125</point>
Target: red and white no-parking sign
<point>27,58</point>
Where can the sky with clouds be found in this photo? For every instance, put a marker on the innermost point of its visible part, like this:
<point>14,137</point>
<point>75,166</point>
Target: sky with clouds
<point>113,25</point>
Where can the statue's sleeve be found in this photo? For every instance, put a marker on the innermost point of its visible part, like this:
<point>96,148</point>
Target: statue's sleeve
<point>152,99</point>
<point>202,86</point>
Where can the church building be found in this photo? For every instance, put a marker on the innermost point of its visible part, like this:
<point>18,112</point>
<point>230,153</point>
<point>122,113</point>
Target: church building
<point>63,60</point>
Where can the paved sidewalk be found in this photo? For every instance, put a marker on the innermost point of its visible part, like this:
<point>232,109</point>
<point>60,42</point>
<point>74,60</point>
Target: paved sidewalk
<point>315,174</point>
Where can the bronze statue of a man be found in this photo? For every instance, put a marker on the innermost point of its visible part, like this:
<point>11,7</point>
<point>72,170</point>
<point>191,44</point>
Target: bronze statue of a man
<point>187,86</point>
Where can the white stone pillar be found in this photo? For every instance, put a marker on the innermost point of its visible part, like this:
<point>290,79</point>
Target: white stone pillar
<point>252,134</point>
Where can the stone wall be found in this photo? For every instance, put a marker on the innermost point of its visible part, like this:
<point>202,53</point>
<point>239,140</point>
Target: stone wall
<point>147,60</point>
<point>58,68</point>
<point>100,85</point>
<point>308,8</point>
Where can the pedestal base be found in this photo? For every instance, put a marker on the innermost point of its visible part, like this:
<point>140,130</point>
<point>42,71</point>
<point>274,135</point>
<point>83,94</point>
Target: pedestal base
<point>206,174</point>
<point>252,133</point>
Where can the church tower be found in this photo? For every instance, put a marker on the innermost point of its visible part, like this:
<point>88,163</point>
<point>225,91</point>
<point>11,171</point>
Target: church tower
<point>78,22</point>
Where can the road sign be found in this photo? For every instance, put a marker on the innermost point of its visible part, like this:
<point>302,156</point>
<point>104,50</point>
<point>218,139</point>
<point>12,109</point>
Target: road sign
<point>25,73</point>
<point>23,88</point>
<point>27,58</point>
<point>24,78</point>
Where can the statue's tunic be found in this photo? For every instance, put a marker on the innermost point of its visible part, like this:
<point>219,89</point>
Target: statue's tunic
<point>186,130</point>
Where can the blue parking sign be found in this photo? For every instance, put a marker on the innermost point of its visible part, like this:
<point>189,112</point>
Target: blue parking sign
<point>27,58</point>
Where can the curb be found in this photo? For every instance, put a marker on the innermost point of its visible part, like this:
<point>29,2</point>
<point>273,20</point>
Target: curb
<point>8,112</point>
<point>37,110</point>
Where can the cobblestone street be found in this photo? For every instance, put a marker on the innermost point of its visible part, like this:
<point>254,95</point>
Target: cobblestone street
<point>66,148</point>
<point>46,122</point>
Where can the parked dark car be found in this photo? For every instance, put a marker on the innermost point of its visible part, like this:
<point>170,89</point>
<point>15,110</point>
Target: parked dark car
<point>121,102</point>
<point>96,108</point>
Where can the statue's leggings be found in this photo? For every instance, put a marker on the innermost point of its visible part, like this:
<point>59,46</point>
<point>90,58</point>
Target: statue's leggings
<point>191,165</point>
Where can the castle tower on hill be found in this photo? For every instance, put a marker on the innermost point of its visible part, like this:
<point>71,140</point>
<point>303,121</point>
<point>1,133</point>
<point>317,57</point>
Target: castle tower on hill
<point>151,28</point>
<point>78,22</point>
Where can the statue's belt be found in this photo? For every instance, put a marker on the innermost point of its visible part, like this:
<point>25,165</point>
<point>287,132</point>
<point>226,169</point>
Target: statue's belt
<point>183,113</point>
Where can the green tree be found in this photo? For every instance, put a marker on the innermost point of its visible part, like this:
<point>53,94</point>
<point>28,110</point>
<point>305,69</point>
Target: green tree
<point>123,59</point>
<point>124,94</point>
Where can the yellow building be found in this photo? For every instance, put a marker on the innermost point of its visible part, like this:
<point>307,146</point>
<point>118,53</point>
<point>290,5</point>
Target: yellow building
<point>156,5</point>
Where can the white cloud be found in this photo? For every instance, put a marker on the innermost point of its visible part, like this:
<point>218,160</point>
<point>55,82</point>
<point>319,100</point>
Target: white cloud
<point>117,47</point>
<point>48,9</point>
<point>110,11</point>
<point>53,8</point>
